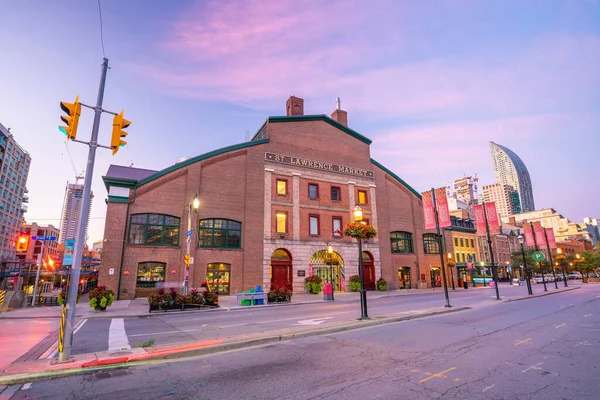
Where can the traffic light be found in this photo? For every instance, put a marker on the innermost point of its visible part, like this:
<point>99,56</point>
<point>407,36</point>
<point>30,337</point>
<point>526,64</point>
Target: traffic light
<point>119,123</point>
<point>22,243</point>
<point>186,259</point>
<point>73,111</point>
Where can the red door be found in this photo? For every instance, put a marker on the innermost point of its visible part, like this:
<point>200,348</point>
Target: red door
<point>281,277</point>
<point>369,271</point>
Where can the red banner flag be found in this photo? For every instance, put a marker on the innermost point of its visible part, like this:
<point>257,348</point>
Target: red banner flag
<point>428,212</point>
<point>551,239</point>
<point>479,220</point>
<point>528,235</point>
<point>492,217</point>
<point>441,202</point>
<point>538,230</point>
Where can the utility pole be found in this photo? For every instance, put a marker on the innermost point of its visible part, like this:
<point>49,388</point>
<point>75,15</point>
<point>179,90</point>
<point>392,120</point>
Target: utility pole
<point>68,320</point>
<point>437,227</point>
<point>539,263</point>
<point>37,275</point>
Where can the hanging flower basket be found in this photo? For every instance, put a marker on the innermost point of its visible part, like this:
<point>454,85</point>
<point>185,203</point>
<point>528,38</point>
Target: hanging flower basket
<point>329,260</point>
<point>358,230</point>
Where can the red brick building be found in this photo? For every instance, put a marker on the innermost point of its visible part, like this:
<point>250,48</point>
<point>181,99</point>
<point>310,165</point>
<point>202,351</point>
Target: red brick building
<point>268,209</point>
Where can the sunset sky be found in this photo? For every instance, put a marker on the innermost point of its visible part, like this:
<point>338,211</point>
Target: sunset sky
<point>430,82</point>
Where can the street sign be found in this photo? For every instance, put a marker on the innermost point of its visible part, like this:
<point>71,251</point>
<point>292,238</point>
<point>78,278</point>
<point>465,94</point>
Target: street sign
<point>43,238</point>
<point>538,256</point>
<point>68,256</point>
<point>189,233</point>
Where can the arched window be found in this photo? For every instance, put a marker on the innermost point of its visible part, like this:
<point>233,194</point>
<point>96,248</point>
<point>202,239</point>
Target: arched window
<point>431,245</point>
<point>402,242</point>
<point>154,230</point>
<point>221,233</point>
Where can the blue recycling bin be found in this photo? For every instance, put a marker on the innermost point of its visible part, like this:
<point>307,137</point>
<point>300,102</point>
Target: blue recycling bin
<point>258,302</point>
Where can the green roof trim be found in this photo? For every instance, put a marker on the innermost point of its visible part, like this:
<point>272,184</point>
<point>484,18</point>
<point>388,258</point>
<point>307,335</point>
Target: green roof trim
<point>118,182</point>
<point>200,158</point>
<point>396,177</point>
<point>117,199</point>
<point>323,117</point>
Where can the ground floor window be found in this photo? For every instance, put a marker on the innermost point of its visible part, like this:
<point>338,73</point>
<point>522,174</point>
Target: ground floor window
<point>217,277</point>
<point>150,275</point>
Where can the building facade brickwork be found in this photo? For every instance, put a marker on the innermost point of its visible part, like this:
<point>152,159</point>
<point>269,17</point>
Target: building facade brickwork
<point>268,210</point>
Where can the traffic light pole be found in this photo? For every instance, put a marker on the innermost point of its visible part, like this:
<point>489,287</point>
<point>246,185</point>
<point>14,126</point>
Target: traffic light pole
<point>67,323</point>
<point>37,275</point>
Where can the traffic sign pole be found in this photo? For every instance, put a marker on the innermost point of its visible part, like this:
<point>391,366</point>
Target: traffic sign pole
<point>69,321</point>
<point>37,275</point>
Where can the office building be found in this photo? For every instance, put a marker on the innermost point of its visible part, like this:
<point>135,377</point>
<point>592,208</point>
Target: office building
<point>505,197</point>
<point>510,170</point>
<point>71,212</point>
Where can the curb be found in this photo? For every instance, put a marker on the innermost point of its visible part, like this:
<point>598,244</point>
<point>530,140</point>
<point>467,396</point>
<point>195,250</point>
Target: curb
<point>532,296</point>
<point>207,347</point>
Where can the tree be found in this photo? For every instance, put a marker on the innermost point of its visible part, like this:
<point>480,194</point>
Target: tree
<point>588,261</point>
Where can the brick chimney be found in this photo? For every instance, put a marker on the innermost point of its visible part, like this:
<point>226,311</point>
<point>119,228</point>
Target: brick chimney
<point>339,115</point>
<point>294,106</point>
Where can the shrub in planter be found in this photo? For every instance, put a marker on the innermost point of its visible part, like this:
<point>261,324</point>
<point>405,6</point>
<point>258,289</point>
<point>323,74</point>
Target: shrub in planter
<point>355,283</point>
<point>382,285</point>
<point>279,296</point>
<point>211,299</point>
<point>313,284</point>
<point>101,297</point>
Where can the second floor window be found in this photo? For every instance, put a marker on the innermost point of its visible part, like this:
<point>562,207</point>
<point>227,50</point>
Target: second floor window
<point>337,226</point>
<point>313,225</point>
<point>402,242</point>
<point>431,245</point>
<point>154,229</point>
<point>220,233</point>
<point>281,187</point>
<point>462,242</point>
<point>335,193</point>
<point>313,191</point>
<point>281,222</point>
<point>362,197</point>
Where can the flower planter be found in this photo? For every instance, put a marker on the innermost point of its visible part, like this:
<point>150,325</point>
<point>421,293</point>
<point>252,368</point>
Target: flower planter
<point>99,308</point>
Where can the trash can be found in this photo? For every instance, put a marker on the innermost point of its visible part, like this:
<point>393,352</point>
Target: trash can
<point>258,302</point>
<point>466,284</point>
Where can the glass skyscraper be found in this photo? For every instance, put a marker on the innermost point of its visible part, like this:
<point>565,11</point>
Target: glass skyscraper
<point>510,170</point>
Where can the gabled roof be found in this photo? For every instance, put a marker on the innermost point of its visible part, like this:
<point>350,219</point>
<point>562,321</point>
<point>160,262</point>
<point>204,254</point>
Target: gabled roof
<point>122,176</point>
<point>322,117</point>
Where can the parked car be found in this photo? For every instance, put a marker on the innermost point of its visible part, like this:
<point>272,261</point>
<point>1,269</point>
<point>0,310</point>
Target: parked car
<point>575,275</point>
<point>549,277</point>
<point>537,279</point>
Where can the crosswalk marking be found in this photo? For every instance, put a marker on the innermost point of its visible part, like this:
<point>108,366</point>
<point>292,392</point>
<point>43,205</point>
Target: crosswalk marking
<point>117,338</point>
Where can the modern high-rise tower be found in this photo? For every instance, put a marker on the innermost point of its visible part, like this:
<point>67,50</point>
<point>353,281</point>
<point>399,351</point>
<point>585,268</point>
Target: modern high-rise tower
<point>510,170</point>
<point>72,211</point>
<point>14,170</point>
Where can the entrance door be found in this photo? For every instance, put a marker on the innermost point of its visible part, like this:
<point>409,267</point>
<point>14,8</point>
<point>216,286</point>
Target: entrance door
<point>281,270</point>
<point>436,278</point>
<point>368,270</point>
<point>404,278</point>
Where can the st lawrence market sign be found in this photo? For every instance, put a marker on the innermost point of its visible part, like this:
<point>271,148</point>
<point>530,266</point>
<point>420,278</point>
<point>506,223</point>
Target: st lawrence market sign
<point>320,165</point>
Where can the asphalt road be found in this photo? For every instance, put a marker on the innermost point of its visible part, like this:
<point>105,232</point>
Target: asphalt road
<point>180,327</point>
<point>539,348</point>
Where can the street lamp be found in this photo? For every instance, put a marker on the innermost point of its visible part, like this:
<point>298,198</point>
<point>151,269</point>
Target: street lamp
<point>482,272</point>
<point>358,215</point>
<point>187,259</point>
<point>330,252</point>
<point>527,276</point>
<point>560,256</point>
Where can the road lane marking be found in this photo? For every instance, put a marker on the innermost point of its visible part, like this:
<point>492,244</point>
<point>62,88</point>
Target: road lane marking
<point>560,326</point>
<point>488,388</point>
<point>587,315</point>
<point>518,342</point>
<point>83,321</point>
<point>584,343</point>
<point>532,367</point>
<point>27,386</point>
<point>315,321</point>
<point>53,353</point>
<point>117,337</point>
<point>438,375</point>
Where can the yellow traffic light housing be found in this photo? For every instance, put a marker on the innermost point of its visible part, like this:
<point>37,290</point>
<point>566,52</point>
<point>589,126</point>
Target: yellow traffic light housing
<point>73,111</point>
<point>22,243</point>
<point>119,123</point>
<point>186,259</point>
